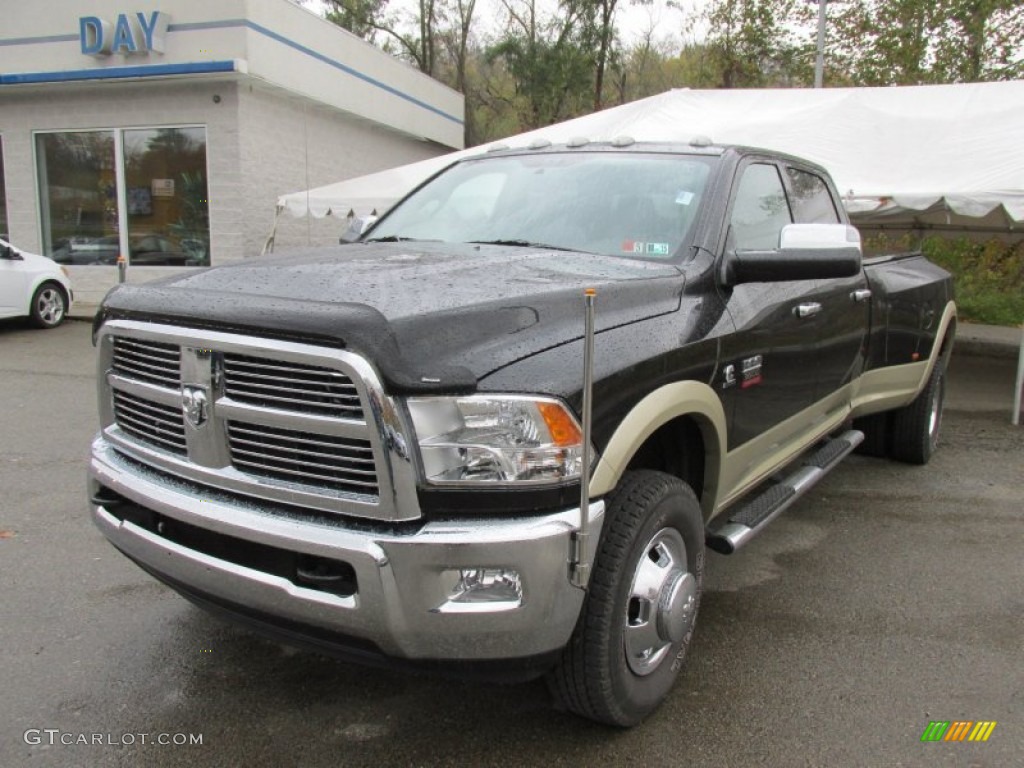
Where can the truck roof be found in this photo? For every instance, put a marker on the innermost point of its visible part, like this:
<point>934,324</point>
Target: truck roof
<point>699,145</point>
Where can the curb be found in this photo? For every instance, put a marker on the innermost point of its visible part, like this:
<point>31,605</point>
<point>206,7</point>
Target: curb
<point>987,341</point>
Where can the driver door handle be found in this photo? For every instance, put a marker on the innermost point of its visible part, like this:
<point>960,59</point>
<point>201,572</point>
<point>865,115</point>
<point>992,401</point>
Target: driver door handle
<point>809,309</point>
<point>862,294</point>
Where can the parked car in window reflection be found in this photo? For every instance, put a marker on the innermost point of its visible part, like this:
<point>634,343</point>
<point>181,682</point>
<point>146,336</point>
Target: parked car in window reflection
<point>150,250</point>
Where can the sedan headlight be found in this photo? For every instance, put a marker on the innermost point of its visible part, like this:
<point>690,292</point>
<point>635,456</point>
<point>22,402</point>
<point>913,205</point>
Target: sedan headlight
<point>497,439</point>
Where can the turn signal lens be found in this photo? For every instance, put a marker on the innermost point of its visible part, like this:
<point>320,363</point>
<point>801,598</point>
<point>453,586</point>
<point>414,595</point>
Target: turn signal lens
<point>561,425</point>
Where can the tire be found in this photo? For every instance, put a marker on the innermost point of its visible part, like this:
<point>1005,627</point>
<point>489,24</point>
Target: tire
<point>915,427</point>
<point>641,604</point>
<point>876,435</point>
<point>49,306</point>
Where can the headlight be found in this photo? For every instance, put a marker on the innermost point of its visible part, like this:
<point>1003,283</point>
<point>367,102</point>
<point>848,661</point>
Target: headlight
<point>497,439</point>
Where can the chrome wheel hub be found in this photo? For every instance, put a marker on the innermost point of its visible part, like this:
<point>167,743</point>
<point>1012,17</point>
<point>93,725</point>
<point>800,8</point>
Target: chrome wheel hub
<point>50,306</point>
<point>935,416</point>
<point>661,605</point>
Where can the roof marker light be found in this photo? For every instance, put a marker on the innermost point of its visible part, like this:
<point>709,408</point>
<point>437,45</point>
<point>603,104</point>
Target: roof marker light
<point>577,142</point>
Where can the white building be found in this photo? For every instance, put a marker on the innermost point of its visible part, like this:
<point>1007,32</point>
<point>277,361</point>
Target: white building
<point>165,131</point>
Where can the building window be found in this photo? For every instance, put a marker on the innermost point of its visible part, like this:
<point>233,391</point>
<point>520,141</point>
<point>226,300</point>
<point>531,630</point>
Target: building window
<point>138,192</point>
<point>168,215</point>
<point>3,196</point>
<point>78,196</point>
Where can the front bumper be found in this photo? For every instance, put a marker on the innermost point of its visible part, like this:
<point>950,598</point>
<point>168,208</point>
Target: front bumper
<point>401,601</point>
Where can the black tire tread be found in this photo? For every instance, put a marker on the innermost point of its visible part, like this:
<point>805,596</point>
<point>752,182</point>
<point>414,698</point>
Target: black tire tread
<point>909,426</point>
<point>877,432</point>
<point>579,681</point>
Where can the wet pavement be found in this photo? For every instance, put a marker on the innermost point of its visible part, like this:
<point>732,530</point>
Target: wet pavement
<point>890,596</point>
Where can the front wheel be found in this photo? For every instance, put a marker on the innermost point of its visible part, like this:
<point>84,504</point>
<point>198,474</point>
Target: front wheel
<point>641,603</point>
<point>49,306</point>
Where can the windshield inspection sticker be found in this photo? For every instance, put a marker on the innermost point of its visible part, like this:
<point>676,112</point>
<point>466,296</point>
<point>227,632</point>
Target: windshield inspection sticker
<point>684,197</point>
<point>648,249</point>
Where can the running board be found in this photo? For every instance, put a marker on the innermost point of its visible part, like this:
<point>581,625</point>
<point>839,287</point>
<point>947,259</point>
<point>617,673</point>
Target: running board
<point>748,520</point>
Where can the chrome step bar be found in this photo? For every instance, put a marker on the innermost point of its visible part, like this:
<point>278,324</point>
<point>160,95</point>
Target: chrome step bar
<point>748,520</point>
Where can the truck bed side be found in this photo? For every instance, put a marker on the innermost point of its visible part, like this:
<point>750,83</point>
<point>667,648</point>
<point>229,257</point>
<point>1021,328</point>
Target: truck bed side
<point>912,311</point>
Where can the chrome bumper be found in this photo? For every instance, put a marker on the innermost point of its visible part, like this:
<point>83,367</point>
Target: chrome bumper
<point>402,603</point>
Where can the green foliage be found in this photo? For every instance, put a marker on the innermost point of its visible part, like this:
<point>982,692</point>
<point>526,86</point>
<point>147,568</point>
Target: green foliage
<point>989,278</point>
<point>758,43</point>
<point>547,61</point>
<point>360,17</point>
<point>909,42</point>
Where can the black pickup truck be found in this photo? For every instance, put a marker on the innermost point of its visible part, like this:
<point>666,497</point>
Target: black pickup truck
<point>377,449</point>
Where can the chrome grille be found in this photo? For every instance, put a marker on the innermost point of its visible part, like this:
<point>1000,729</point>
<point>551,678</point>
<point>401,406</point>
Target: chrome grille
<point>341,464</point>
<point>154,423</point>
<point>290,386</point>
<point>276,421</point>
<point>151,361</point>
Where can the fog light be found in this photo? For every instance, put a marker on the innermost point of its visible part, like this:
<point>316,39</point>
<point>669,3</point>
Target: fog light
<point>480,590</point>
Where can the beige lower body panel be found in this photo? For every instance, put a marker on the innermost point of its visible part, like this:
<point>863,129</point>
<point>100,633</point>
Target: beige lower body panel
<point>732,474</point>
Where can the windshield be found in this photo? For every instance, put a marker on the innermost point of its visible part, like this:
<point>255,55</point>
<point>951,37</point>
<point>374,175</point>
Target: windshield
<point>613,203</point>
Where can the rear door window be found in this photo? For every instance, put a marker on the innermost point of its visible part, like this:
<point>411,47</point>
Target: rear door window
<point>812,202</point>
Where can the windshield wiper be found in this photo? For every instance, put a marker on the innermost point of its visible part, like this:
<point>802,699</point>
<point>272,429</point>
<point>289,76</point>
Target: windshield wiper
<point>390,239</point>
<point>522,244</point>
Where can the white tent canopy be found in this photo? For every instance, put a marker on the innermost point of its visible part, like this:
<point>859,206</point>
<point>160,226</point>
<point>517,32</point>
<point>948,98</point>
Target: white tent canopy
<point>944,150</point>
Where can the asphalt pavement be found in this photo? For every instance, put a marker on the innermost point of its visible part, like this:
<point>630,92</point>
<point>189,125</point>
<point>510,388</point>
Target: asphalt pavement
<point>889,597</point>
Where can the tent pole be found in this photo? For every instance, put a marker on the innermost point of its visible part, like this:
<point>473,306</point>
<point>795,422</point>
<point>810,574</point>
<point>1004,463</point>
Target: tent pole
<point>1019,391</point>
<point>268,246</point>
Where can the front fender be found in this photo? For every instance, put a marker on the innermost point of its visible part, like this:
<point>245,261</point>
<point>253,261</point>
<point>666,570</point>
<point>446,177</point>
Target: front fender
<point>685,398</point>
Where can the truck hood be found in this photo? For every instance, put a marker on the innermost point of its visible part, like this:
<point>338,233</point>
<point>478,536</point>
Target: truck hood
<point>430,316</point>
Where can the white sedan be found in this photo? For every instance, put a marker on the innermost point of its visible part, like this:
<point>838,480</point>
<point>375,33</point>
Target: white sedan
<point>33,286</point>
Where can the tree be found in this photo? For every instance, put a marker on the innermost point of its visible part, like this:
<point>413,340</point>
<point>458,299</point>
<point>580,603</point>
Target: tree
<point>908,42</point>
<point>360,17</point>
<point>546,61</point>
<point>757,43</point>
<point>599,16</point>
<point>367,18</point>
<point>650,65</point>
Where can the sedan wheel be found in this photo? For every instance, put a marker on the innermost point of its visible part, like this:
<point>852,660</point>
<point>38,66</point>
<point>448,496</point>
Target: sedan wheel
<point>49,306</point>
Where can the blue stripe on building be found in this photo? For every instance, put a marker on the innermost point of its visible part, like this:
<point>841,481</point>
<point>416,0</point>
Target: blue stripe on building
<point>162,70</point>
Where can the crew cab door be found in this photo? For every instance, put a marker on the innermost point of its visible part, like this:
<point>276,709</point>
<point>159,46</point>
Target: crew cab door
<point>769,368</point>
<point>844,316</point>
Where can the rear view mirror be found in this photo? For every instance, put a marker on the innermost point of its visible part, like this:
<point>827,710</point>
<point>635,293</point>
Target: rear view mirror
<point>806,252</point>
